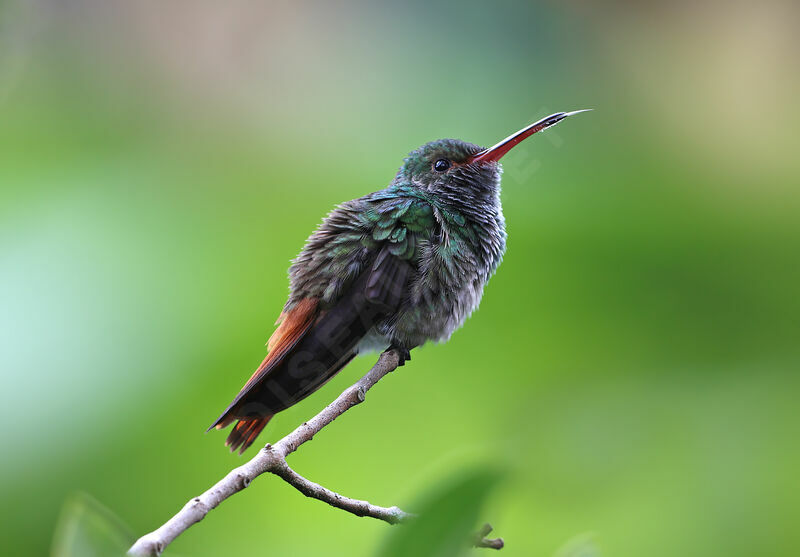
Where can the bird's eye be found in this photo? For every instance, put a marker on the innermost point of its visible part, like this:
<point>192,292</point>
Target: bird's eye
<point>441,165</point>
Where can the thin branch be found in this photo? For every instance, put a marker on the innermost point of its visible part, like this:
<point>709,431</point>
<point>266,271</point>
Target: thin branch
<point>272,458</point>
<point>482,541</point>
<point>392,515</point>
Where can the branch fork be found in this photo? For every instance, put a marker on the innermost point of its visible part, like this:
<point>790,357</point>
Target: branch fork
<point>272,459</point>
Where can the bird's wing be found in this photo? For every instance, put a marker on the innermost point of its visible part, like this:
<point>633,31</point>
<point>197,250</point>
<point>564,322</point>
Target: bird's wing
<point>349,237</point>
<point>352,271</point>
<point>292,326</point>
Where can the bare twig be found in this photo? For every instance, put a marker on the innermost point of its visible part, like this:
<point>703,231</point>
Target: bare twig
<point>482,541</point>
<point>272,458</point>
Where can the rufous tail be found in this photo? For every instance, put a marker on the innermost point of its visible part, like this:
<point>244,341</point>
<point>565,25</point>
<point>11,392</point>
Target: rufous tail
<point>245,432</point>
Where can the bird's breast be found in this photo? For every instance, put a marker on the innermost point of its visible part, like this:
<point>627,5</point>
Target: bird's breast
<point>452,271</point>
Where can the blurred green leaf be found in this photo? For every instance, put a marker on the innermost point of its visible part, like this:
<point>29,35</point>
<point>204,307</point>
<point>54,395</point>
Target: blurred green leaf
<point>88,529</point>
<point>447,519</point>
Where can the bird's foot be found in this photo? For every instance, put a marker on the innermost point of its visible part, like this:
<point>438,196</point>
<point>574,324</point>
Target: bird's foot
<point>403,353</point>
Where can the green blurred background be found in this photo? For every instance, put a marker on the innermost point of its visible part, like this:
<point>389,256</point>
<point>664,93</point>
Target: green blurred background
<point>634,363</point>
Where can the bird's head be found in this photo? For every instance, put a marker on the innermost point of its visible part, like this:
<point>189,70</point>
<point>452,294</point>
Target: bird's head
<point>449,166</point>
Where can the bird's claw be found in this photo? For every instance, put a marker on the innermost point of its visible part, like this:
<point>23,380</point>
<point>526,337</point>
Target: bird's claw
<point>403,354</point>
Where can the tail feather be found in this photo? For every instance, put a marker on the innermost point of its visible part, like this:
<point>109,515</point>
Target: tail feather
<point>245,432</point>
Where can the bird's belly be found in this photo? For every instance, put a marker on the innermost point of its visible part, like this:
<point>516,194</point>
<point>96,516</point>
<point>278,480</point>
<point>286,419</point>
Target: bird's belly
<point>372,342</point>
<point>437,318</point>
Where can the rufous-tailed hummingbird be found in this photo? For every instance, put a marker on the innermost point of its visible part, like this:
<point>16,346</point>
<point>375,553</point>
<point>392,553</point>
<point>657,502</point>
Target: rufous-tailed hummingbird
<point>393,269</point>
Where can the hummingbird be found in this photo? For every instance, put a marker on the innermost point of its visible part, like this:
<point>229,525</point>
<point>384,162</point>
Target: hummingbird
<point>391,270</point>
